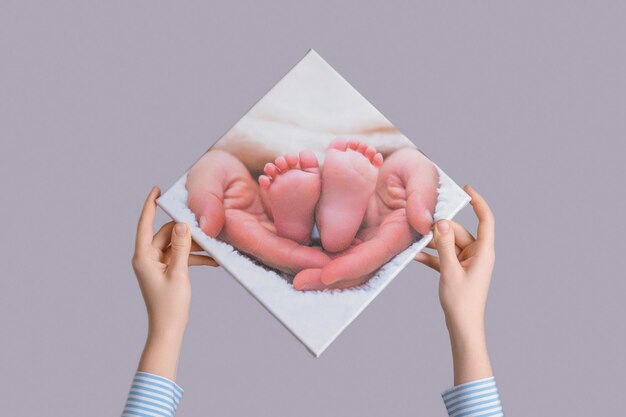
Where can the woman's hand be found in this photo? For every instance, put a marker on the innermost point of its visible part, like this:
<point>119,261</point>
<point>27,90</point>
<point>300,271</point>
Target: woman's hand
<point>465,264</point>
<point>161,264</point>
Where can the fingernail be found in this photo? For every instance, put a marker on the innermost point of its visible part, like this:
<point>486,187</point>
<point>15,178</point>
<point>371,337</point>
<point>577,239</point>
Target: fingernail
<point>301,285</point>
<point>304,287</point>
<point>428,215</point>
<point>202,221</point>
<point>180,229</point>
<point>442,227</point>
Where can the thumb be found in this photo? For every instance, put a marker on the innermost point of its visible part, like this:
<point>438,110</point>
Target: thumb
<point>444,241</point>
<point>181,246</point>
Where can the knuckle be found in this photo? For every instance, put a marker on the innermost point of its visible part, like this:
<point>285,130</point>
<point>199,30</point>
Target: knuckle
<point>447,243</point>
<point>488,217</point>
<point>136,262</point>
<point>176,273</point>
<point>489,256</point>
<point>179,246</point>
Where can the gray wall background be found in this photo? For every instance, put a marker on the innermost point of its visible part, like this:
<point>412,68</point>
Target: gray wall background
<point>101,100</point>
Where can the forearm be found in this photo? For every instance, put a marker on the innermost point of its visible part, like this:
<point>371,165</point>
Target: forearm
<point>466,264</point>
<point>153,391</point>
<point>475,392</point>
<point>161,353</point>
<point>469,354</point>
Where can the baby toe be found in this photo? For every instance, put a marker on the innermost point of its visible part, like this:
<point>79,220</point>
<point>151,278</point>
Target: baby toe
<point>292,160</point>
<point>271,170</point>
<point>377,160</point>
<point>370,153</point>
<point>281,164</point>
<point>265,181</point>
<point>339,143</point>
<point>308,160</point>
<point>362,148</point>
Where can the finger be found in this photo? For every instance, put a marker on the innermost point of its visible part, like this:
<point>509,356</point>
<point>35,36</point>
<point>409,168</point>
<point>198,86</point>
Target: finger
<point>429,260</point>
<point>360,260</point>
<point>194,259</point>
<point>446,248</point>
<point>462,237</point>
<point>421,180</point>
<point>181,245</point>
<point>344,285</point>
<point>431,245</point>
<point>419,211</point>
<point>163,237</point>
<point>198,260</point>
<point>310,280</point>
<point>146,220</point>
<point>277,252</point>
<point>206,183</point>
<point>486,220</point>
<point>195,247</point>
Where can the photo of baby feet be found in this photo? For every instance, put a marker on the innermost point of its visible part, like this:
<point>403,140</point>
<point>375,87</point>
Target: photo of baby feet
<point>366,209</point>
<point>348,181</point>
<point>313,201</point>
<point>290,190</point>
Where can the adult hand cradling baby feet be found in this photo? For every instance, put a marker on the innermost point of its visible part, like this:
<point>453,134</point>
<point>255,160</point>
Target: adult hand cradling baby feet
<point>227,204</point>
<point>367,209</point>
<point>399,210</point>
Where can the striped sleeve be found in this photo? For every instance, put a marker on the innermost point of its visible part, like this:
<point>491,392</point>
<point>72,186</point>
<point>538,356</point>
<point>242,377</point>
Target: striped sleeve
<point>473,399</point>
<point>152,396</point>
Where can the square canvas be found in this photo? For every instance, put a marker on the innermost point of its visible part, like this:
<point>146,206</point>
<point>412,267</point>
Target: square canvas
<point>313,201</point>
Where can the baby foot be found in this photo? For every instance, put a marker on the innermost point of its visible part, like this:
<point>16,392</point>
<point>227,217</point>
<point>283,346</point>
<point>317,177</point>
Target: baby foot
<point>348,181</point>
<point>291,189</point>
<point>227,203</point>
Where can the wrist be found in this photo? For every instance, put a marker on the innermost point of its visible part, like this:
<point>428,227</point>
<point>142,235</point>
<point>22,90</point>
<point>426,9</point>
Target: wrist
<point>161,352</point>
<point>164,326</point>
<point>170,335</point>
<point>465,324</point>
<point>469,351</point>
<point>468,342</point>
<point>473,331</point>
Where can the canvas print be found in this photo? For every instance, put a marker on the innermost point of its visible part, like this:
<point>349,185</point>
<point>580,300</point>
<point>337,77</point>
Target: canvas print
<point>313,201</point>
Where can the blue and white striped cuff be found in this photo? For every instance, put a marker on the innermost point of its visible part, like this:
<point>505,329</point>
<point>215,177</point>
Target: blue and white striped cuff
<point>472,399</point>
<point>152,396</point>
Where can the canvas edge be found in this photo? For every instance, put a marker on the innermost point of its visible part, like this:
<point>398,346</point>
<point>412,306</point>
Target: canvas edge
<point>309,51</point>
<point>316,351</point>
<point>400,267</point>
<point>163,205</point>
